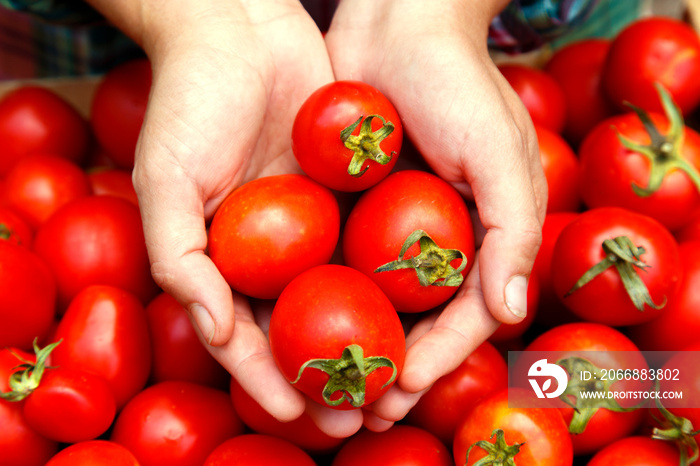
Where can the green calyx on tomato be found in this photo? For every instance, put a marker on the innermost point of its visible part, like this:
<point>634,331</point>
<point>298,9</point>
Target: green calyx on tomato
<point>5,231</point>
<point>366,144</point>
<point>432,265</point>
<point>625,256</point>
<point>664,151</point>
<point>348,374</point>
<point>499,452</point>
<point>585,408</point>
<point>679,430</point>
<point>23,381</point>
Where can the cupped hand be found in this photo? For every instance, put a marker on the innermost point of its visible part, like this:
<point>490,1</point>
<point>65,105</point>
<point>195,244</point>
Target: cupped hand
<point>472,129</point>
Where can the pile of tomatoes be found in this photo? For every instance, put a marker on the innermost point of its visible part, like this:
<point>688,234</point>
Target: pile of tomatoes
<point>97,362</point>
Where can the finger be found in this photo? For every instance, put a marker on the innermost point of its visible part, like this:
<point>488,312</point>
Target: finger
<point>391,407</point>
<point>373,422</point>
<point>335,422</point>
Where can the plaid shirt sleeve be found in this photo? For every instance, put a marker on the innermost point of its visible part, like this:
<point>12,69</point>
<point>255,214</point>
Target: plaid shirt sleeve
<point>55,11</point>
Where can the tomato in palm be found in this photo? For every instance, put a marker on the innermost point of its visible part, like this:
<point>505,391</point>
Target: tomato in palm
<point>597,421</point>
<point>176,422</point>
<point>614,266</point>
<point>401,445</point>
<point>271,229</point>
<point>336,337</point>
<point>28,296</point>
<point>420,211</point>
<point>41,183</point>
<point>96,240</point>
<point>578,68</point>
<point>561,169</point>
<point>105,331</point>
<point>302,431</point>
<point>258,450</point>
<point>19,443</point>
<point>649,166</point>
<point>637,451</point>
<point>119,107</point>
<point>36,119</point>
<point>540,93</point>
<point>654,49</point>
<point>94,453</point>
<point>441,409</point>
<point>679,325</point>
<point>347,136</point>
<point>177,352</point>
<point>529,436</point>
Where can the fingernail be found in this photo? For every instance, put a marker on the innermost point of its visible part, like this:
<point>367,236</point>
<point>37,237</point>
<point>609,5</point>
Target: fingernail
<point>204,321</point>
<point>516,296</point>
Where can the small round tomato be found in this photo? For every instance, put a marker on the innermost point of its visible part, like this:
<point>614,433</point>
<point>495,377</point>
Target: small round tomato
<point>336,337</point>
<point>28,296</point>
<point>637,451</point>
<point>652,168</point>
<point>441,409</point>
<point>578,68</point>
<point>119,107</point>
<point>41,183</point>
<point>540,93</point>
<point>105,331</point>
<point>534,436</point>
<point>561,169</point>
<point>271,229</point>
<point>177,352</point>
<point>579,347</point>
<point>258,450</point>
<point>36,119</point>
<point>615,266</point>
<point>94,453</point>
<point>413,236</point>
<point>14,228</point>
<point>70,405</point>
<point>347,136</point>
<point>654,50</point>
<point>401,445</point>
<point>112,181</point>
<point>176,423</point>
<point>302,431</point>
<point>96,240</point>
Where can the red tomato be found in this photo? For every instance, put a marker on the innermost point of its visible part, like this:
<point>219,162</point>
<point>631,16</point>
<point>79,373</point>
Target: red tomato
<point>511,332</point>
<point>70,405</point>
<point>118,109</point>
<point>329,322</point>
<point>41,183</point>
<point>19,443</point>
<point>112,181</point>
<point>176,423</point>
<point>597,424</point>
<point>105,331</point>
<point>551,311</point>
<point>177,352</point>
<point>96,240</point>
<point>578,68</point>
<point>690,231</point>
<point>541,431</point>
<point>401,445</point>
<point>258,450</point>
<point>542,96</point>
<point>36,119</point>
<point>270,230</point>
<point>561,169</point>
<point>347,136</point>
<point>650,50</point>
<point>94,453</point>
<point>637,451</point>
<point>28,296</point>
<point>614,175</point>
<point>681,374</point>
<point>389,213</point>
<point>14,228</point>
<point>679,325</point>
<point>590,240</point>
<point>441,409</point>
<point>302,431</point>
